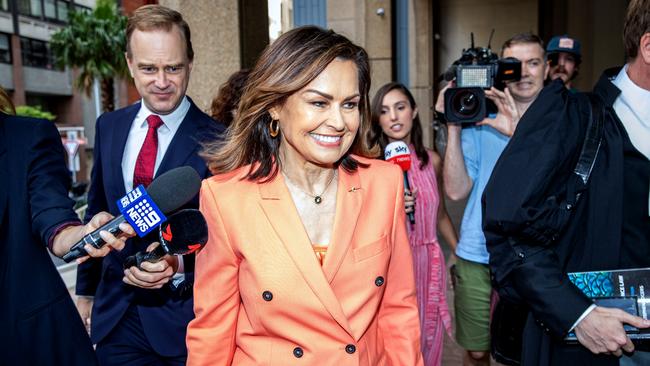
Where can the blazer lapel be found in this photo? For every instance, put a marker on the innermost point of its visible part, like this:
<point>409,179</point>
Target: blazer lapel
<point>4,174</point>
<point>183,143</point>
<point>278,206</point>
<point>349,199</point>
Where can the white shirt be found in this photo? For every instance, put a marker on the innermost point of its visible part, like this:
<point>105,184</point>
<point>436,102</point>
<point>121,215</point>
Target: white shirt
<point>138,132</point>
<point>631,107</point>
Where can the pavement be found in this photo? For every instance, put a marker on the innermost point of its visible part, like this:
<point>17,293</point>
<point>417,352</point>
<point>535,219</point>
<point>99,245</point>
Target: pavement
<point>452,354</point>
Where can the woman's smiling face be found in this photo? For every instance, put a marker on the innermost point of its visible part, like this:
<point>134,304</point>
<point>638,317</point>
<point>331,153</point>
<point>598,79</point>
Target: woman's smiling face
<point>319,122</point>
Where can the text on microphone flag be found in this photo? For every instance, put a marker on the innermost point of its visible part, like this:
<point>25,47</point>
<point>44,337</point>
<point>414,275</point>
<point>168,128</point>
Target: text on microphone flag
<point>140,211</point>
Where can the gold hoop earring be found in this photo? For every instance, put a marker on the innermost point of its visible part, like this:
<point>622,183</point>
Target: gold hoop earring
<point>274,128</point>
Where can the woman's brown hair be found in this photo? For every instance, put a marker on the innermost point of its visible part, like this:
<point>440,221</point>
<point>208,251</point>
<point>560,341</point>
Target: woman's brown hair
<point>228,97</point>
<point>286,66</point>
<point>377,134</point>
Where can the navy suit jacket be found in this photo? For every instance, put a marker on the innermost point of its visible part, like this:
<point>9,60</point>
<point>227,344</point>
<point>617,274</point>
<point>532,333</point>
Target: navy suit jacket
<point>164,313</point>
<point>39,324</point>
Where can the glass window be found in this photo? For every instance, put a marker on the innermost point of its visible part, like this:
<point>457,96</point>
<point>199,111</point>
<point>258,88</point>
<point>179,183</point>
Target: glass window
<point>5,48</point>
<point>4,5</point>
<point>23,7</point>
<point>30,7</point>
<point>36,53</point>
<point>35,8</point>
<point>50,9</point>
<point>62,8</point>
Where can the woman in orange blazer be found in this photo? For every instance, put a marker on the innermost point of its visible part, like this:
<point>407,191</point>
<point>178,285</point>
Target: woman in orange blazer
<point>308,261</point>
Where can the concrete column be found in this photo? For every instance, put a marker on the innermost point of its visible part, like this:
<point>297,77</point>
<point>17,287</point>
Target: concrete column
<point>359,21</point>
<point>421,63</point>
<point>19,80</point>
<point>379,42</point>
<point>215,39</point>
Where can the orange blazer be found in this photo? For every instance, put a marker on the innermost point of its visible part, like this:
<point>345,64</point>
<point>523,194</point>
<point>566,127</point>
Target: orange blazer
<point>262,298</point>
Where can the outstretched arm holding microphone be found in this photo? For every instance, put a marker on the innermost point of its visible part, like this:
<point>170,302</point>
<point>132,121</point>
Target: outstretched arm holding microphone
<point>38,321</point>
<point>64,239</point>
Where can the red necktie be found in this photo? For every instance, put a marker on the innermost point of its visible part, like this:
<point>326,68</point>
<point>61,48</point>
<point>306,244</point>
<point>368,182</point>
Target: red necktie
<point>146,162</point>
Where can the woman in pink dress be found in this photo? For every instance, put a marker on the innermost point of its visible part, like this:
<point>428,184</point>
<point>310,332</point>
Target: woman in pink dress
<point>395,118</point>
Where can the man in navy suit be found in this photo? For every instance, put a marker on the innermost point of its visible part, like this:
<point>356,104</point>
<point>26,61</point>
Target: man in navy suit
<point>139,316</point>
<point>38,321</point>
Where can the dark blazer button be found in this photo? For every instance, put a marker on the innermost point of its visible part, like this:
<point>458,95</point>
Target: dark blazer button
<point>267,295</point>
<point>379,281</point>
<point>297,352</point>
<point>350,348</point>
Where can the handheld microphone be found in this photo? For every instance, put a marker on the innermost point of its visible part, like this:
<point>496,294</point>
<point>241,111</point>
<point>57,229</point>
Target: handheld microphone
<point>397,152</point>
<point>184,232</point>
<point>167,193</point>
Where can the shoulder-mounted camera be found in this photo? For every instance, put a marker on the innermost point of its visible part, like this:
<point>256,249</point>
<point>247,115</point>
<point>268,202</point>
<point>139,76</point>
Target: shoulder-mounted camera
<point>477,69</point>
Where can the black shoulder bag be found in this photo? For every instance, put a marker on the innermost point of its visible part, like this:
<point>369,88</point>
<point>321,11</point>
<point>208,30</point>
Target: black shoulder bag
<point>509,317</point>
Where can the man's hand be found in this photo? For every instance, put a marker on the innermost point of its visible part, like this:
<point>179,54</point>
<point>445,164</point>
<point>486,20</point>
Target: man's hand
<point>85,307</point>
<point>601,331</point>
<point>507,116</point>
<point>152,275</point>
<point>65,239</point>
<point>440,101</point>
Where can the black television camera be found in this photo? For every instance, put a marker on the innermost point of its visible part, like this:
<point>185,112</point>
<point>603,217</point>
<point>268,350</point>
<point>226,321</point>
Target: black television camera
<point>477,69</point>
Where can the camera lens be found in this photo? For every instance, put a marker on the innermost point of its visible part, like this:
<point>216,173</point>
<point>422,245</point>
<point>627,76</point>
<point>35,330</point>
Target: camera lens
<point>465,104</point>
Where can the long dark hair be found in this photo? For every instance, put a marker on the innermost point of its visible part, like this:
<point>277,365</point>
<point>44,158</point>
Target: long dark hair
<point>377,134</point>
<point>286,66</point>
<point>228,97</point>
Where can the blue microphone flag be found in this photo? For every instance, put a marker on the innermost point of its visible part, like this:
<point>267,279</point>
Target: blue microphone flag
<point>140,211</point>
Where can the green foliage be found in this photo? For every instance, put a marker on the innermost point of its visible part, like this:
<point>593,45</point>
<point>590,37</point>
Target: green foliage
<point>94,42</point>
<point>34,111</point>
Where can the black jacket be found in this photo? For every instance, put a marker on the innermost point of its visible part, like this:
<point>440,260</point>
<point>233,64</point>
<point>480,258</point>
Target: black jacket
<point>524,207</point>
<point>39,324</point>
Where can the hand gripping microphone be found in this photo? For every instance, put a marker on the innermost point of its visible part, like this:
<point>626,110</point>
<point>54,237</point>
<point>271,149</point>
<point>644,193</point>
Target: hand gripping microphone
<point>397,152</point>
<point>144,209</point>
<point>184,232</point>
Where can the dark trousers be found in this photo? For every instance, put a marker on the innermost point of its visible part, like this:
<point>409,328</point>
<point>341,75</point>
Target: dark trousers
<point>127,345</point>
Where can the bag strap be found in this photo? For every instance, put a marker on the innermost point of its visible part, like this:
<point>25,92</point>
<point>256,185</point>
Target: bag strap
<point>590,147</point>
<point>593,139</point>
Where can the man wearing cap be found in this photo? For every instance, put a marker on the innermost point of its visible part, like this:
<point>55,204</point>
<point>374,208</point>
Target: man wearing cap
<point>564,59</point>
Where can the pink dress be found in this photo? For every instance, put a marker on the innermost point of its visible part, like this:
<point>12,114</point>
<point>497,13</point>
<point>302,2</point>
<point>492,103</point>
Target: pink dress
<point>428,261</point>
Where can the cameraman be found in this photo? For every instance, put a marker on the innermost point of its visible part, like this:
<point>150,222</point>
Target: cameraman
<point>470,157</point>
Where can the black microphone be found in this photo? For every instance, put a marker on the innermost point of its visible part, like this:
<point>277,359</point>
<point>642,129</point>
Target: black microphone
<point>184,232</point>
<point>169,191</point>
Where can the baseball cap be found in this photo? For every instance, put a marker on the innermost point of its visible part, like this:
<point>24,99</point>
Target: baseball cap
<point>564,44</point>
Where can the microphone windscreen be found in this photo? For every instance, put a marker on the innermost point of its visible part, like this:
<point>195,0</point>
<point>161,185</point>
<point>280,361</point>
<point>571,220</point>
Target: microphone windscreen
<point>397,152</point>
<point>174,188</point>
<point>184,232</point>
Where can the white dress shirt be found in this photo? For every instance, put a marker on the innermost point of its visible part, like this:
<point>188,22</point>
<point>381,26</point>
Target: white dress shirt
<point>137,134</point>
<point>631,107</point>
